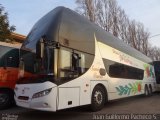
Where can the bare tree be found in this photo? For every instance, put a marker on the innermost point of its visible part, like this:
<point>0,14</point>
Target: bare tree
<point>131,36</point>
<point>142,38</point>
<point>102,12</point>
<point>138,36</point>
<point>114,11</point>
<point>123,26</point>
<point>112,18</point>
<point>154,53</point>
<point>87,8</point>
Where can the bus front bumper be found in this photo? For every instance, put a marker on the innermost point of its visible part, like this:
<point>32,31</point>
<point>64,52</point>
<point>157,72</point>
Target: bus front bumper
<point>45,103</point>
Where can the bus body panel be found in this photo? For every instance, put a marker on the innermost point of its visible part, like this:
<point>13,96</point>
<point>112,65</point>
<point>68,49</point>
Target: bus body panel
<point>68,97</point>
<point>86,56</point>
<point>24,96</point>
<point>8,77</point>
<point>120,57</point>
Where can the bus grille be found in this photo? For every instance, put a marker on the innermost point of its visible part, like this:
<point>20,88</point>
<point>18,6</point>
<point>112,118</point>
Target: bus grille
<point>23,97</point>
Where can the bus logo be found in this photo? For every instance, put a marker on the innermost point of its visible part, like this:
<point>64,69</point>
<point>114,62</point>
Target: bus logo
<point>23,91</point>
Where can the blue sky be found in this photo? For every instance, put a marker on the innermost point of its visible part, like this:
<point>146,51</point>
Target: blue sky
<point>24,13</point>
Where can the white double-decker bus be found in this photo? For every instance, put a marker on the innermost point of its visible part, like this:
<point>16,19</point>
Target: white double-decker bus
<point>73,62</point>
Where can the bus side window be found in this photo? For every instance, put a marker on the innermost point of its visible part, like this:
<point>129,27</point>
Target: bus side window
<point>65,63</point>
<point>73,63</point>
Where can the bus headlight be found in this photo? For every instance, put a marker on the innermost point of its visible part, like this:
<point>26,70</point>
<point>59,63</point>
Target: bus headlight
<point>42,93</point>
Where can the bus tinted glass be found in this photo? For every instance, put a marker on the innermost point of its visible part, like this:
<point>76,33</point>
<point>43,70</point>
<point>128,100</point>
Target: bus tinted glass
<point>118,70</point>
<point>157,71</point>
<point>73,63</point>
<point>39,29</point>
<point>9,57</point>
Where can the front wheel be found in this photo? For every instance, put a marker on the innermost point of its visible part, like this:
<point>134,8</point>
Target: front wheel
<point>98,98</point>
<point>6,99</point>
<point>150,90</point>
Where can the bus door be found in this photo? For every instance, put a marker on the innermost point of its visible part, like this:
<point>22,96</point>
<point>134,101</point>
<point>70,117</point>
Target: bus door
<point>70,69</point>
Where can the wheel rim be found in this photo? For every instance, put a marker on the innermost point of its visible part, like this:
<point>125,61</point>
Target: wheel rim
<point>150,90</point>
<point>147,92</point>
<point>98,97</point>
<point>3,98</point>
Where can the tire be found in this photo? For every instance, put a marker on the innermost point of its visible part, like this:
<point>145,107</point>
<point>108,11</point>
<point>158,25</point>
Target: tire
<point>6,99</point>
<point>150,90</point>
<point>98,98</point>
<point>146,91</point>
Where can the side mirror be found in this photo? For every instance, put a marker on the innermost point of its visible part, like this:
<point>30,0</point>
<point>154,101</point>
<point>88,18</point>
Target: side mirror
<point>40,48</point>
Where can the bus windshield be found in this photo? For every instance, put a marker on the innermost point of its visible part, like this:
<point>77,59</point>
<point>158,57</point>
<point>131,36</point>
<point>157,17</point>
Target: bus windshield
<point>157,71</point>
<point>37,67</point>
<point>31,53</point>
<point>4,50</point>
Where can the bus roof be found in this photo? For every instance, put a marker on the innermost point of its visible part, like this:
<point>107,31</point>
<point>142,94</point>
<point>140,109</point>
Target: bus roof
<point>102,36</point>
<point>75,31</point>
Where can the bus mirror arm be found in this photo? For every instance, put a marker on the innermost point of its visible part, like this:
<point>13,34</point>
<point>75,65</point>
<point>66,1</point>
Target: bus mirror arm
<point>40,48</point>
<point>42,43</point>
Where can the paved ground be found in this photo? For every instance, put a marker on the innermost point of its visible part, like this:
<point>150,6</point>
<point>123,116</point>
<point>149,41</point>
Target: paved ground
<point>128,108</point>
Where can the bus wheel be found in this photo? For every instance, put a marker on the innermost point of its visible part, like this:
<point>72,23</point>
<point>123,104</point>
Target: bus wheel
<point>98,98</point>
<point>150,90</point>
<point>146,91</point>
<point>6,100</point>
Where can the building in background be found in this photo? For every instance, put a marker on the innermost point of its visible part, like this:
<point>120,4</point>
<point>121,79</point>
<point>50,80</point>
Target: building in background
<point>18,38</point>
